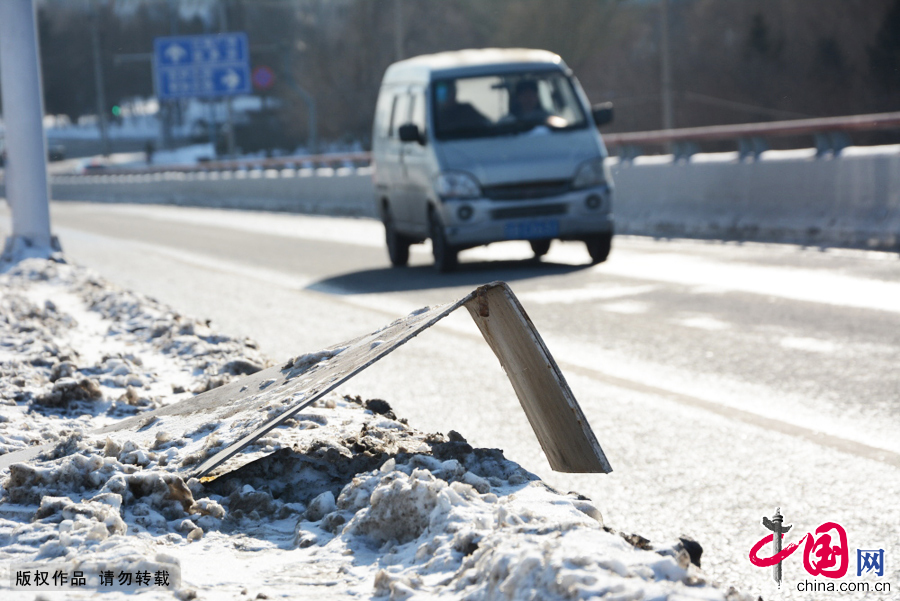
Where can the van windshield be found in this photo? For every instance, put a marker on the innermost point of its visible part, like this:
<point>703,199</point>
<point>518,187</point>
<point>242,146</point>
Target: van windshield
<point>498,105</point>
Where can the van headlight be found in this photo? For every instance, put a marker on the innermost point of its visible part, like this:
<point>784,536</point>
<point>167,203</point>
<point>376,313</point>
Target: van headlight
<point>456,184</point>
<point>591,173</point>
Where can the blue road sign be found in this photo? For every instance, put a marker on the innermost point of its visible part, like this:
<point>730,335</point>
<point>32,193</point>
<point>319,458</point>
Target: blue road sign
<point>201,65</point>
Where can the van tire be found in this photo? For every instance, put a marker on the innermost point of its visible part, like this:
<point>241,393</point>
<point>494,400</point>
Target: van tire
<point>397,244</point>
<point>540,247</point>
<point>445,256</point>
<point>598,246</point>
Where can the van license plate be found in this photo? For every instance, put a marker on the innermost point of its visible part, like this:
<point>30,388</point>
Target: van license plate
<point>530,230</point>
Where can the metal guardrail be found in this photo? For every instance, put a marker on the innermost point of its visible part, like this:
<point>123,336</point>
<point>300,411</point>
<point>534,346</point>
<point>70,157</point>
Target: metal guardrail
<point>831,134</point>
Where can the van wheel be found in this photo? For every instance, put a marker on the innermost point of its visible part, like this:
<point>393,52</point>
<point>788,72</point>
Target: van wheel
<point>598,246</point>
<point>397,244</point>
<point>540,247</point>
<point>445,256</point>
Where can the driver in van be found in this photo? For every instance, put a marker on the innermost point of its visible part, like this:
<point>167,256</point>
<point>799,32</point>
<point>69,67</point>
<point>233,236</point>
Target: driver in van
<point>454,115</point>
<point>526,104</point>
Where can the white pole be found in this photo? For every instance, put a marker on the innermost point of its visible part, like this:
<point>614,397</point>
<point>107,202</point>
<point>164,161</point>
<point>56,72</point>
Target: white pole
<point>23,109</point>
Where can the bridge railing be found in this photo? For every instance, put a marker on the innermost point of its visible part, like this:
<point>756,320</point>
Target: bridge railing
<point>829,134</point>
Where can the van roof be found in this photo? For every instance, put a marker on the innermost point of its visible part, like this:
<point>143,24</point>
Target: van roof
<point>460,63</point>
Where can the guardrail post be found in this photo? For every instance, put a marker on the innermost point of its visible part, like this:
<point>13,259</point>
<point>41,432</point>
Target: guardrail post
<point>751,148</point>
<point>831,143</point>
<point>629,152</point>
<point>683,150</point>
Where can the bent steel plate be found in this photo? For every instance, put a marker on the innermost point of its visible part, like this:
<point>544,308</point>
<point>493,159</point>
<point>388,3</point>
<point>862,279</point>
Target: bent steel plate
<point>243,411</point>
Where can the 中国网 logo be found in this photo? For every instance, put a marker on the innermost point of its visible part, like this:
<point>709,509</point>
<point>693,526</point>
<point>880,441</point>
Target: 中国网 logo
<point>825,551</point>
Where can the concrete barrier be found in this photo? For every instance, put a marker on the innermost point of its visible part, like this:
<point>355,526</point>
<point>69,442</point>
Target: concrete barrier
<point>328,192</point>
<point>785,196</point>
<point>789,196</point>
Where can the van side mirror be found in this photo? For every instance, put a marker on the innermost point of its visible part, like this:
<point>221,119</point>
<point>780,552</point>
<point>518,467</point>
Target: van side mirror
<point>603,113</point>
<point>409,132</point>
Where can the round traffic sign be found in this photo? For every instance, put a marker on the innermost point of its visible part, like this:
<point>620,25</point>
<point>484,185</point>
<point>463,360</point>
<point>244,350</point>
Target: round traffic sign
<point>263,77</point>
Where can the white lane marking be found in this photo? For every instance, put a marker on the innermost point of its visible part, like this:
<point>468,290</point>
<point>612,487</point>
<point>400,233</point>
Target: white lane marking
<point>269,276</point>
<point>568,296</point>
<point>713,276</point>
<point>626,307</point>
<point>705,274</point>
<point>785,282</point>
<point>815,345</point>
<point>726,395</point>
<point>519,250</point>
<point>358,232</point>
<point>703,322</point>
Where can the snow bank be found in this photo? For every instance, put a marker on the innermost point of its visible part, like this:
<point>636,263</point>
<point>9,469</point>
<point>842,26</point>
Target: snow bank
<point>345,499</point>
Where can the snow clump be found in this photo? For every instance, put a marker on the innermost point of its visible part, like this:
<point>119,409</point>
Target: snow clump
<point>344,499</point>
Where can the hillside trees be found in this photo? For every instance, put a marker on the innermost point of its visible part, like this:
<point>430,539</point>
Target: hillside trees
<point>732,60</point>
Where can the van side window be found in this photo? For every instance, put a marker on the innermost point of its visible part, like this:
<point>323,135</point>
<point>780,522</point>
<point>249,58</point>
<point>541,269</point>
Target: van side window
<point>383,111</point>
<point>399,114</point>
<point>390,121</point>
<point>417,112</point>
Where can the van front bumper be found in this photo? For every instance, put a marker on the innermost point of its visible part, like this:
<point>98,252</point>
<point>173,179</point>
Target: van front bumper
<point>573,215</point>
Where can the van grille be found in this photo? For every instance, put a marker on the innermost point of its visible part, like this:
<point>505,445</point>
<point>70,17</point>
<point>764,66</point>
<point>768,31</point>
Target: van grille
<point>532,211</point>
<point>540,189</point>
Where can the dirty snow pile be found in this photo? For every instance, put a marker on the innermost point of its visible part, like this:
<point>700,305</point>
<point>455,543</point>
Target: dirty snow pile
<point>345,499</point>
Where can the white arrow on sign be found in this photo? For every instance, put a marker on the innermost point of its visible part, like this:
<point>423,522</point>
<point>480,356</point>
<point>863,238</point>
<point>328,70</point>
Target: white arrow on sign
<point>175,53</point>
<point>231,79</point>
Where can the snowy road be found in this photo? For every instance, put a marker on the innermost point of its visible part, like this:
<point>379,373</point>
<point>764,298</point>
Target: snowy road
<point>721,380</point>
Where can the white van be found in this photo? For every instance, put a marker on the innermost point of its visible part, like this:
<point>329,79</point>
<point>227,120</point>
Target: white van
<point>478,146</point>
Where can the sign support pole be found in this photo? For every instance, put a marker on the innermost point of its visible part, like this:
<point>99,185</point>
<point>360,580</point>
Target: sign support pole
<point>23,108</point>
<point>99,83</point>
<point>229,132</point>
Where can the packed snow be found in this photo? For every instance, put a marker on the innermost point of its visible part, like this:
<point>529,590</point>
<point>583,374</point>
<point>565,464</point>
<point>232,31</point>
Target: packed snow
<point>343,500</point>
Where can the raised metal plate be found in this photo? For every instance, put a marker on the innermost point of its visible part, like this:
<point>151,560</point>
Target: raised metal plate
<point>247,409</point>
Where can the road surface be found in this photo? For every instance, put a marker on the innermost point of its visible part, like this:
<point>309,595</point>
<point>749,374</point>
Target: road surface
<point>722,380</point>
